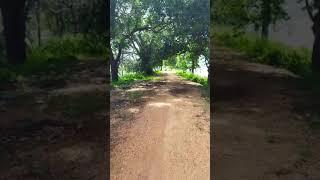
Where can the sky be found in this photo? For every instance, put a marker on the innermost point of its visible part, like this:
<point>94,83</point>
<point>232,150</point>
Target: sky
<point>202,70</point>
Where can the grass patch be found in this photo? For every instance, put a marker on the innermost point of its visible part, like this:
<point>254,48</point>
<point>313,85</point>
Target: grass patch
<point>51,66</point>
<point>55,56</point>
<point>192,77</point>
<point>297,60</point>
<point>71,46</point>
<point>198,79</point>
<point>43,66</point>
<point>128,79</point>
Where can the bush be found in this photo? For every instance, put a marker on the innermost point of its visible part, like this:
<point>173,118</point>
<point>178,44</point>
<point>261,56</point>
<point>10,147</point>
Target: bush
<point>192,77</point>
<point>59,53</point>
<point>128,79</point>
<point>297,60</point>
<point>43,64</point>
<point>55,55</point>
<point>71,46</point>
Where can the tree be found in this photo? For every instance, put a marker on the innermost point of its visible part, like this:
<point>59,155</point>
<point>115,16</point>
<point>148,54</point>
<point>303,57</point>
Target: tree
<point>271,12</point>
<point>313,9</point>
<point>128,19</point>
<point>158,30</point>
<point>38,9</point>
<point>14,22</point>
<point>114,62</point>
<point>242,13</point>
<point>189,31</point>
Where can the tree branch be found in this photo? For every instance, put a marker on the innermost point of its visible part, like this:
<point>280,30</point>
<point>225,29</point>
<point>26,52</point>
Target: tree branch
<point>119,54</point>
<point>309,10</point>
<point>134,46</point>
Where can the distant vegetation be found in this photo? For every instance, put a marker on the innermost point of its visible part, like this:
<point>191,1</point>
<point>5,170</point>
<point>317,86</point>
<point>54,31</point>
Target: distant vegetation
<point>195,78</point>
<point>130,78</point>
<point>147,34</point>
<point>297,60</point>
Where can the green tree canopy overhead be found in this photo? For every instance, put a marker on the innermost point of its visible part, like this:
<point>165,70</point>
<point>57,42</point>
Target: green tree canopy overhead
<point>157,30</point>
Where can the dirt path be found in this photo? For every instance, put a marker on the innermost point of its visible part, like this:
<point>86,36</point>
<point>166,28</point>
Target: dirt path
<point>160,130</point>
<point>258,134</point>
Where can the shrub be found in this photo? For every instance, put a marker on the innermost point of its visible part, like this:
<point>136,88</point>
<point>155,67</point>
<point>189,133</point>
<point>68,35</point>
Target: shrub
<point>192,77</point>
<point>128,79</point>
<point>297,60</point>
<point>55,55</point>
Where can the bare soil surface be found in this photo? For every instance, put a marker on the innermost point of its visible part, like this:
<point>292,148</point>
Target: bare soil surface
<point>258,131</point>
<point>160,130</point>
<point>53,126</point>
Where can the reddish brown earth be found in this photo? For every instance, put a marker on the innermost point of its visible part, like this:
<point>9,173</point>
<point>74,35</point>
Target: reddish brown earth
<point>160,130</point>
<point>258,131</point>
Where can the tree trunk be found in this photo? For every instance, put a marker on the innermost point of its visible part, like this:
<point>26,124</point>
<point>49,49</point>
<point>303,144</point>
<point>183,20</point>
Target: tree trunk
<point>316,55</point>
<point>14,21</point>
<point>266,18</point>
<point>148,70</point>
<point>113,4</point>
<point>192,66</point>
<point>146,67</point>
<point>256,28</point>
<point>315,62</point>
<point>114,69</point>
<point>38,23</point>
<point>145,63</point>
<point>115,62</point>
<point>210,73</point>
<point>73,18</point>
<point>208,78</point>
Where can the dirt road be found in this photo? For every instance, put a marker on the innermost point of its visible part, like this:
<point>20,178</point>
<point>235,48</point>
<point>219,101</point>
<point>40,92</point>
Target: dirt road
<point>160,130</point>
<point>258,132</point>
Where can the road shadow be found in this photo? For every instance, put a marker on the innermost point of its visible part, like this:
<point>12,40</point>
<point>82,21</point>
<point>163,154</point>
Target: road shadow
<point>232,83</point>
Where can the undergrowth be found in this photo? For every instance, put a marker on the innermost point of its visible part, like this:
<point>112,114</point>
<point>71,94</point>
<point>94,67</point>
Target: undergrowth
<point>192,77</point>
<point>297,60</point>
<point>198,79</point>
<point>129,78</point>
<point>56,56</point>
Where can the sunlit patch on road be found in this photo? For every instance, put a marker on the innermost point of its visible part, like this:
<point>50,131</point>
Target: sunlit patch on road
<point>133,110</point>
<point>159,104</point>
<point>137,89</point>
